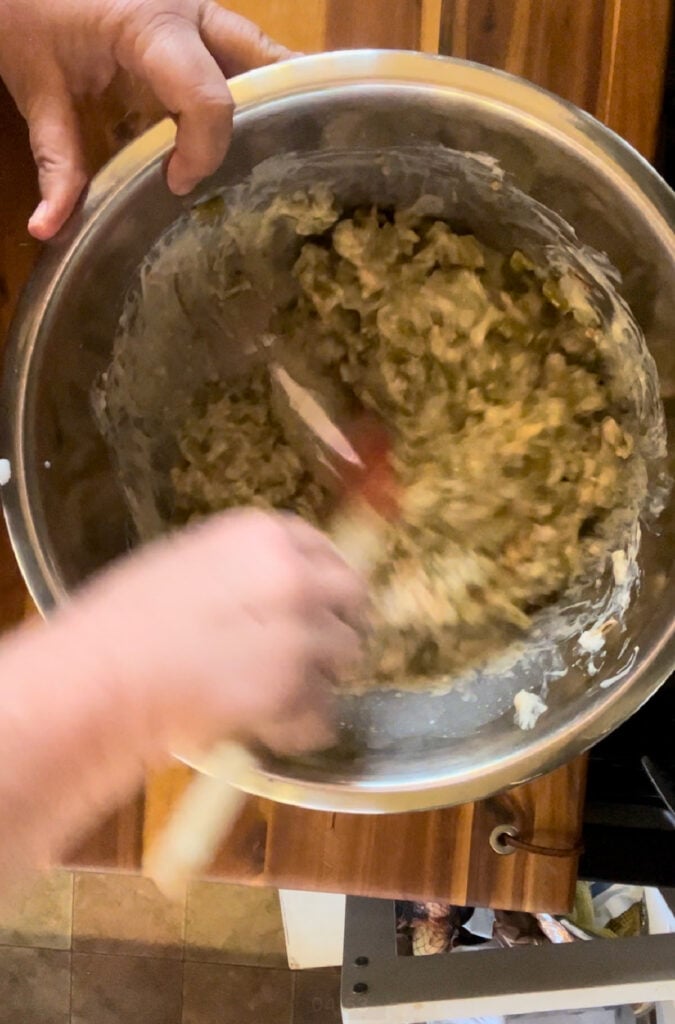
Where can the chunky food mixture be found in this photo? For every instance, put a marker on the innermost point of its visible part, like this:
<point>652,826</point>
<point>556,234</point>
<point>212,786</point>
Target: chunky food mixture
<point>507,447</point>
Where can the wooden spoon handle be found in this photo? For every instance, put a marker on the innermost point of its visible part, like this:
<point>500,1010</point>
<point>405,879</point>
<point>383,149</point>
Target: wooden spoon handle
<point>203,819</point>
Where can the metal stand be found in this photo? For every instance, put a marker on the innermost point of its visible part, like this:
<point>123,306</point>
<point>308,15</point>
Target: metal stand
<point>380,987</point>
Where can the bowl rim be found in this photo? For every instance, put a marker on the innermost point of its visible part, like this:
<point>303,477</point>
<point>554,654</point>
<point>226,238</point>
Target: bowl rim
<point>304,75</point>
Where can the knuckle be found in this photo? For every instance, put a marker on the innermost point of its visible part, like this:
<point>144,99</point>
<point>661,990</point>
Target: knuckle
<point>298,654</point>
<point>210,103</point>
<point>155,21</point>
<point>344,593</point>
<point>278,739</point>
<point>352,652</point>
<point>52,163</point>
<point>259,42</point>
<point>285,567</point>
<point>47,159</point>
<point>291,584</point>
<point>142,26</point>
<point>268,529</point>
<point>344,583</point>
<point>273,530</point>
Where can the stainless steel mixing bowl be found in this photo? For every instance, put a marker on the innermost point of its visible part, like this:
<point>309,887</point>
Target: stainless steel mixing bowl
<point>64,506</point>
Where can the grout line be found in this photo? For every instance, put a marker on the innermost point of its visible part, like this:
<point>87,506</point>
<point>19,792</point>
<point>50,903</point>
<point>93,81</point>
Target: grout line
<point>182,991</point>
<point>293,984</point>
<point>272,968</point>
<point>204,958</point>
<point>72,925</point>
<point>124,955</point>
<point>35,945</point>
<point>185,921</point>
<point>70,986</point>
<point>72,909</point>
<point>167,959</point>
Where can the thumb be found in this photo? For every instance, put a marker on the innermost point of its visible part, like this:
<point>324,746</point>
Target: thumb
<point>236,43</point>
<point>57,147</point>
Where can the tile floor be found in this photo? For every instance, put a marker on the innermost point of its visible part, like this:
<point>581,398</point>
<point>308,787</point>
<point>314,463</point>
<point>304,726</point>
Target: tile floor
<point>89,948</point>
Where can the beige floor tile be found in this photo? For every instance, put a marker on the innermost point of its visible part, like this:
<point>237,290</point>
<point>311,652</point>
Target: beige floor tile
<point>225,994</point>
<point>125,990</point>
<point>34,986</point>
<point>317,997</point>
<point>234,924</point>
<point>125,914</point>
<point>39,914</point>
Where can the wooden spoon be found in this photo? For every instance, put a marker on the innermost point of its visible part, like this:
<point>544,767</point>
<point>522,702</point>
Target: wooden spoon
<point>210,806</point>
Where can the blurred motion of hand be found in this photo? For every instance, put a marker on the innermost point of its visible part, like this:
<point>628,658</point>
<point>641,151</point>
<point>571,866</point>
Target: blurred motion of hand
<point>55,53</point>
<point>233,627</point>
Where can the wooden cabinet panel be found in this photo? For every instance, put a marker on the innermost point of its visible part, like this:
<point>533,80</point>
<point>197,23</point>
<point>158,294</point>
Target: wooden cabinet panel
<point>607,56</point>
<point>343,24</point>
<point>300,26</point>
<point>18,197</point>
<point>635,59</point>
<point>390,24</point>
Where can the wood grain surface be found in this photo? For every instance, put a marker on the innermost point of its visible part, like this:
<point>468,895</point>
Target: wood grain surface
<point>18,196</point>
<point>390,24</point>
<point>441,855</point>
<point>342,24</point>
<point>606,55</point>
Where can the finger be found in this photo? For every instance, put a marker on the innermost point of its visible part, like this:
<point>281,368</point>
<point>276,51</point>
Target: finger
<point>332,582</point>
<point>307,720</point>
<point>188,82</point>
<point>237,43</point>
<point>310,541</point>
<point>305,538</point>
<point>57,147</point>
<point>338,591</point>
<point>338,647</point>
<point>307,731</point>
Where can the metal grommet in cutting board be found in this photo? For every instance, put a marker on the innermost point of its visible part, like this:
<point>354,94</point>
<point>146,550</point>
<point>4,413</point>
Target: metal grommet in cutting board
<point>498,841</point>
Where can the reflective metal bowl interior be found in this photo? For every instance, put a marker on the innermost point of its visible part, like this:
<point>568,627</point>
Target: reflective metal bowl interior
<point>64,507</point>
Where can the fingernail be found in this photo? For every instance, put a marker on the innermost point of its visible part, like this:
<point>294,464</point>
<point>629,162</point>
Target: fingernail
<point>38,225</point>
<point>183,188</point>
<point>39,213</point>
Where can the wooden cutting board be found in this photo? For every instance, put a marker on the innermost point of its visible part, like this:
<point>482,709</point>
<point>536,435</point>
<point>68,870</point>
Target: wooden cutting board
<point>439,855</point>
